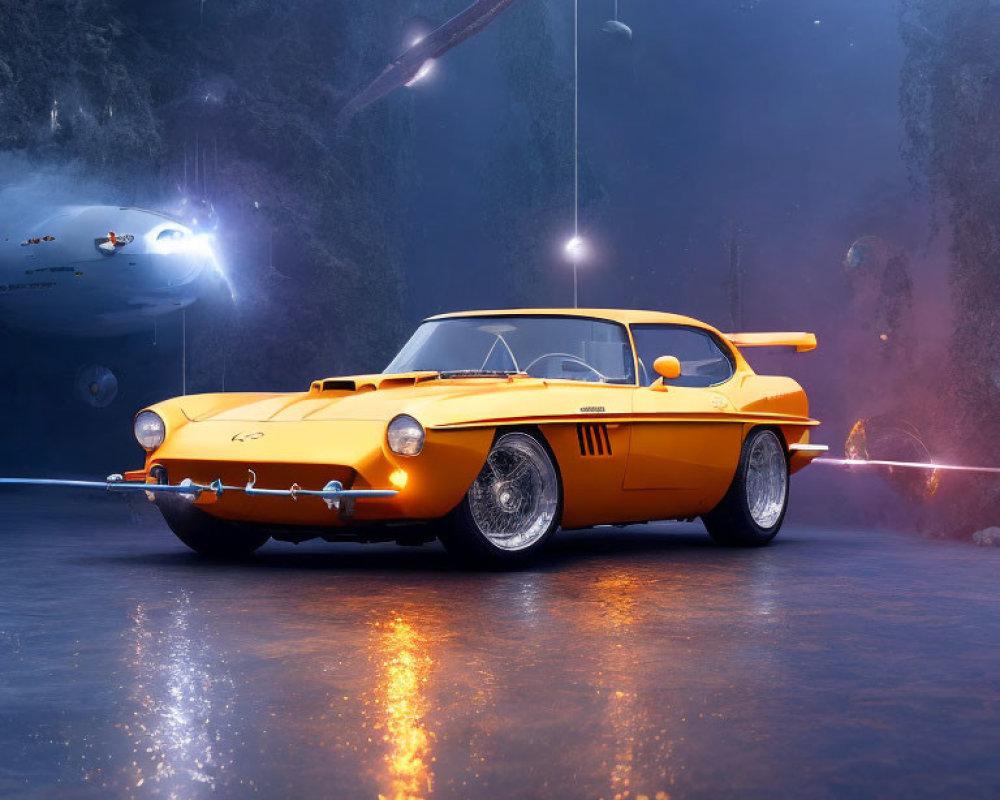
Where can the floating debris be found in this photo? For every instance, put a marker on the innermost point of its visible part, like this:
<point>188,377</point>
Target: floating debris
<point>988,537</point>
<point>96,386</point>
<point>415,62</point>
<point>868,253</point>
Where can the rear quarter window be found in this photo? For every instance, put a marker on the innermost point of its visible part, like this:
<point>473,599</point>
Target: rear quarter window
<point>704,360</point>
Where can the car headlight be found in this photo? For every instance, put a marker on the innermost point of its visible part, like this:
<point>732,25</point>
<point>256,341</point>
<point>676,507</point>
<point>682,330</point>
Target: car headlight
<point>405,435</point>
<point>150,430</point>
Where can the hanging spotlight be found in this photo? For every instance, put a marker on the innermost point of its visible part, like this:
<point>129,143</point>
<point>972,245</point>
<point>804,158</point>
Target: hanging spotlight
<point>617,28</point>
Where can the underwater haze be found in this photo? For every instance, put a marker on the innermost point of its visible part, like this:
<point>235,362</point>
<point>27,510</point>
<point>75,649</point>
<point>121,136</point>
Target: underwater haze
<point>818,165</point>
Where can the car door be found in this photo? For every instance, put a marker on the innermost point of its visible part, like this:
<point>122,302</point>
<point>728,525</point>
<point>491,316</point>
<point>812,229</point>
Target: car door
<point>683,441</point>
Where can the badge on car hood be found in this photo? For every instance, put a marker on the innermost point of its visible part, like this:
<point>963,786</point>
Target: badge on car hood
<point>248,437</point>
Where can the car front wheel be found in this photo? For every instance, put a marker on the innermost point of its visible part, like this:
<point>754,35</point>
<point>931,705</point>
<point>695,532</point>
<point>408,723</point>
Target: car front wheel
<point>754,507</point>
<point>512,507</point>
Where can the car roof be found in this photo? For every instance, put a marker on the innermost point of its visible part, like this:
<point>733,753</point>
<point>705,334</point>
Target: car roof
<point>624,316</point>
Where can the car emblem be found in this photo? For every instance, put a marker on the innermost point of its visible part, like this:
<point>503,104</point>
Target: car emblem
<point>592,409</point>
<point>248,437</point>
<point>718,401</point>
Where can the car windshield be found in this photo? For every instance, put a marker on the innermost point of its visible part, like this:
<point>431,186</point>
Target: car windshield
<point>571,348</point>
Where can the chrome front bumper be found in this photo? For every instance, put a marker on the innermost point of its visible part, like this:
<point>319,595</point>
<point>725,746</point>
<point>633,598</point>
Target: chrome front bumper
<point>332,493</point>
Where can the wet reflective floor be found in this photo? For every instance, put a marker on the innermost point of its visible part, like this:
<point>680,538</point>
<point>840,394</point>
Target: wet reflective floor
<point>636,663</point>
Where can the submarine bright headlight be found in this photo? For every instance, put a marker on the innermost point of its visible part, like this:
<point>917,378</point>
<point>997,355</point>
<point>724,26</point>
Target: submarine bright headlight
<point>405,436</point>
<point>149,430</point>
<point>191,245</point>
<point>172,238</point>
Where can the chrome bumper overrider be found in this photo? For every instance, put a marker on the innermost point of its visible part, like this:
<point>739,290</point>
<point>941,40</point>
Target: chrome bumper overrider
<point>331,494</point>
<point>808,448</point>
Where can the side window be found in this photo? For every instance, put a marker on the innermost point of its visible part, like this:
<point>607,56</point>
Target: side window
<point>703,362</point>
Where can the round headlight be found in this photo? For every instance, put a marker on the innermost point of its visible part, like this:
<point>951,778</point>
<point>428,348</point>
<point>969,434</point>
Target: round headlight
<point>405,435</point>
<point>149,430</point>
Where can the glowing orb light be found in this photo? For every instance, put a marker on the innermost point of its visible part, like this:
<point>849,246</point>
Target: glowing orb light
<point>575,248</point>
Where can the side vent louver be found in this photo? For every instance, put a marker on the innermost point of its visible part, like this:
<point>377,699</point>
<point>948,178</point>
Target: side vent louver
<point>594,440</point>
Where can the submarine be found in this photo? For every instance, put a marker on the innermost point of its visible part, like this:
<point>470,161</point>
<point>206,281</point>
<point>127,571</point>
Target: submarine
<point>99,271</point>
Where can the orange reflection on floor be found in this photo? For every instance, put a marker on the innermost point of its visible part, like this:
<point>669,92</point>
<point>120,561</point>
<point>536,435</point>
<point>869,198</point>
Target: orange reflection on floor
<point>404,666</point>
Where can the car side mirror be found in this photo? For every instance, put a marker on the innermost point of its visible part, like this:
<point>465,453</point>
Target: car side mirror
<point>668,367</point>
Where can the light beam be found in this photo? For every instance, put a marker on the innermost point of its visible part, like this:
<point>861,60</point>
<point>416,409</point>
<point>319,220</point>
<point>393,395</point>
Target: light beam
<point>860,462</point>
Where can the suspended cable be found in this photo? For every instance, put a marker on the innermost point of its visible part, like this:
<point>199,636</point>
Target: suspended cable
<point>576,149</point>
<point>184,350</point>
<point>575,248</point>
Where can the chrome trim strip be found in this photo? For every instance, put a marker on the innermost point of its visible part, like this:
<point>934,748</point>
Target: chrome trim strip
<point>718,416</point>
<point>808,448</point>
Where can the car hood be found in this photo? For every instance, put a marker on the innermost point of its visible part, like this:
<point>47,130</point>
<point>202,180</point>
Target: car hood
<point>434,401</point>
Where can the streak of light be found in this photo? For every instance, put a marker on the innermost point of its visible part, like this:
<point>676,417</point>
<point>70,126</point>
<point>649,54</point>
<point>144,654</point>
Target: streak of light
<point>178,728</point>
<point>858,462</point>
<point>404,672</point>
<point>618,593</point>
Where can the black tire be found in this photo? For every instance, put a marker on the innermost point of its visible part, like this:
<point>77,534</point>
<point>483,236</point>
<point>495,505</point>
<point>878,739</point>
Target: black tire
<point>208,535</point>
<point>512,508</point>
<point>737,521</point>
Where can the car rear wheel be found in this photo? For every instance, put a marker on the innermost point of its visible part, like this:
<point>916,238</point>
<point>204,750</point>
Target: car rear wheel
<point>208,535</point>
<point>512,507</point>
<point>753,509</point>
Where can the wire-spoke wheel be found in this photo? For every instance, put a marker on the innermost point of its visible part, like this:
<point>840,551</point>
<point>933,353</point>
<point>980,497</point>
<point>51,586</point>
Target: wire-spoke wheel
<point>753,509</point>
<point>512,506</point>
<point>766,479</point>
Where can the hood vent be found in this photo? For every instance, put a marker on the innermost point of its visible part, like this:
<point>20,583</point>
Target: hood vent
<point>370,383</point>
<point>336,385</point>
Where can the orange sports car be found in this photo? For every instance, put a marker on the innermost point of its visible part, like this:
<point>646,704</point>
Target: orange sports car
<point>488,431</point>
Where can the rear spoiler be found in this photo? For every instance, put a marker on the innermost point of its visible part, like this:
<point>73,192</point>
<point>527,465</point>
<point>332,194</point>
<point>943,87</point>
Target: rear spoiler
<point>802,342</point>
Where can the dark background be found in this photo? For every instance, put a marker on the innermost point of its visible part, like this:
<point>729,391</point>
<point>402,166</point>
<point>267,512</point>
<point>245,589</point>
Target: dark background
<point>730,155</point>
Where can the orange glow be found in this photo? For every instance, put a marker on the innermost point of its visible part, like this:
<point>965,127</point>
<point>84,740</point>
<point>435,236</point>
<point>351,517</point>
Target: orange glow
<point>398,479</point>
<point>856,446</point>
<point>403,673</point>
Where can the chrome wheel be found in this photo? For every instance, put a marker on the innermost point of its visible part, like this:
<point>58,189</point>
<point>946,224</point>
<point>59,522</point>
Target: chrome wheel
<point>766,479</point>
<point>515,498</point>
